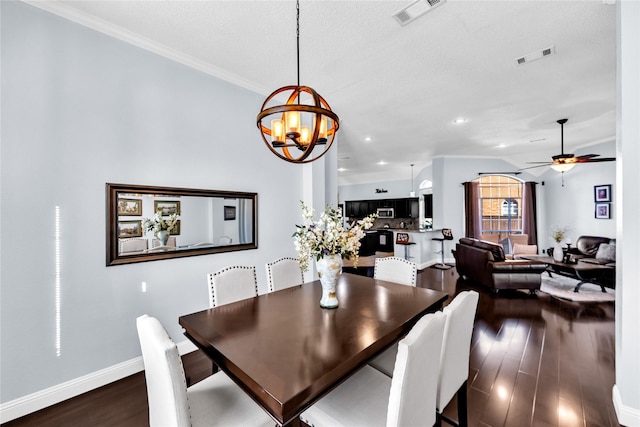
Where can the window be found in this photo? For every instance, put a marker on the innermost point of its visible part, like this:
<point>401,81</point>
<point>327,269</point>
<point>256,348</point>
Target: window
<point>510,207</point>
<point>500,204</point>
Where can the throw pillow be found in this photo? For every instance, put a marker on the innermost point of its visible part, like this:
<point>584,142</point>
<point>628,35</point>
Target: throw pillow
<point>606,251</point>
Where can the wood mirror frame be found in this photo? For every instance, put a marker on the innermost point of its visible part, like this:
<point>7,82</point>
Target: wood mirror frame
<point>141,201</point>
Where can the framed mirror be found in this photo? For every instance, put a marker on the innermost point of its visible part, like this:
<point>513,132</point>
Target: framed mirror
<point>147,223</point>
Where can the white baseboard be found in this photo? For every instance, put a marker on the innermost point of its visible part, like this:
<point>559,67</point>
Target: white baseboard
<point>626,416</point>
<point>41,399</point>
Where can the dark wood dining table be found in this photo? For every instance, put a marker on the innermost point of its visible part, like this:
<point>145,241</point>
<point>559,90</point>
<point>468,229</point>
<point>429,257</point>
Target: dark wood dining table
<point>286,352</point>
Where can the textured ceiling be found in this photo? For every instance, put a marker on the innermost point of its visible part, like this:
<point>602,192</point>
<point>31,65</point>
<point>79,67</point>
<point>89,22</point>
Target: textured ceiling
<point>401,86</point>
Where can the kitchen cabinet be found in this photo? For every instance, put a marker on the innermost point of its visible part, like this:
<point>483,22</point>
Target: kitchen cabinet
<point>357,209</point>
<point>403,208</point>
<point>407,208</point>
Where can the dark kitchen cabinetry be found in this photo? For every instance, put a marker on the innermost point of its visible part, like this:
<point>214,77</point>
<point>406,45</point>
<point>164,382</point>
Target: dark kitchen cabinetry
<point>369,243</point>
<point>357,209</point>
<point>407,208</point>
<point>385,241</point>
<point>403,208</point>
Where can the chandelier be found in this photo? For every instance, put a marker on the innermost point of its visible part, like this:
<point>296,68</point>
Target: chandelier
<point>294,130</point>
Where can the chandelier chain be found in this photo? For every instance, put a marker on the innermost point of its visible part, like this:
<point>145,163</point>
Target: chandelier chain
<point>298,40</point>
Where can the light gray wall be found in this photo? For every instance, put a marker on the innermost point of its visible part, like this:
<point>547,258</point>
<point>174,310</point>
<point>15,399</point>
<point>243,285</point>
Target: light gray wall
<point>80,109</point>
<point>626,393</point>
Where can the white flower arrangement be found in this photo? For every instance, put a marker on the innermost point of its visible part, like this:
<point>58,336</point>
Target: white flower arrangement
<point>328,235</point>
<point>558,234</point>
<point>159,223</point>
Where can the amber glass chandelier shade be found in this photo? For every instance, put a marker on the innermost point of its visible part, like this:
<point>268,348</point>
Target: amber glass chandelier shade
<point>302,129</point>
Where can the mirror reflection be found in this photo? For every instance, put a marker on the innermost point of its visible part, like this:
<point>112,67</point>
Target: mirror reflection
<point>149,223</point>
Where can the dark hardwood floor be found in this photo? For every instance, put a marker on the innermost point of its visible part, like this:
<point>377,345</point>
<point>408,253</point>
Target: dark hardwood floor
<point>535,361</point>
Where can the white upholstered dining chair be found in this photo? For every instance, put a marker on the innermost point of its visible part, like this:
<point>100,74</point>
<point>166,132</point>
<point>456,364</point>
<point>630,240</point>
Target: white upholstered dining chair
<point>395,269</point>
<point>231,284</point>
<point>284,273</point>
<point>214,401</point>
<point>132,245</point>
<point>398,270</point>
<point>454,362</point>
<point>370,398</point>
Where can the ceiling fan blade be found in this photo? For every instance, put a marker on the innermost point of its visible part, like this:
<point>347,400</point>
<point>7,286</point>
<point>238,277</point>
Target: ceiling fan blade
<point>539,166</point>
<point>602,159</point>
<point>586,156</point>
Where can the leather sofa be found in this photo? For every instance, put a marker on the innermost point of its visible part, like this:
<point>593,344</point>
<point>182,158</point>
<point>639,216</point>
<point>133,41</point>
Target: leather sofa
<point>588,249</point>
<point>597,250</point>
<point>485,263</point>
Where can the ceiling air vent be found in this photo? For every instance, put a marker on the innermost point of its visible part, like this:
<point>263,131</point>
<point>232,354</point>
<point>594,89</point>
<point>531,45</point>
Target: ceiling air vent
<point>415,10</point>
<point>536,55</point>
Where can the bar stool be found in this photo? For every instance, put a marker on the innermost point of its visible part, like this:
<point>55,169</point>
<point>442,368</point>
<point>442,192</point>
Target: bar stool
<point>446,235</point>
<point>403,239</point>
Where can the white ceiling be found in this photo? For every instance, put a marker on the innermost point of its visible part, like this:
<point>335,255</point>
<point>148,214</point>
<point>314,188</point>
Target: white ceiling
<point>401,86</point>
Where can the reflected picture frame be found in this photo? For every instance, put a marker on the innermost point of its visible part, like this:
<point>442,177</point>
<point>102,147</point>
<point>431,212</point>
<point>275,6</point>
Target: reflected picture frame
<point>603,211</point>
<point>129,207</point>
<point>128,229</point>
<point>602,193</point>
<point>229,213</point>
<point>176,229</point>
<point>167,207</point>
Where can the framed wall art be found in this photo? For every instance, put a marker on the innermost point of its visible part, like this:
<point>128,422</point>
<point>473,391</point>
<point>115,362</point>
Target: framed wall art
<point>229,213</point>
<point>129,229</point>
<point>603,210</point>
<point>176,229</point>
<point>602,193</point>
<point>130,207</point>
<point>167,207</point>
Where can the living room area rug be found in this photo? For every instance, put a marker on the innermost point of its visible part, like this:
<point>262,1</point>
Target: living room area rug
<point>562,287</point>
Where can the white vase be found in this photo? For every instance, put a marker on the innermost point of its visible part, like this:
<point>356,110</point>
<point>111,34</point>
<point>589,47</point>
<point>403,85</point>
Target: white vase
<point>163,236</point>
<point>329,268</point>
<point>557,252</point>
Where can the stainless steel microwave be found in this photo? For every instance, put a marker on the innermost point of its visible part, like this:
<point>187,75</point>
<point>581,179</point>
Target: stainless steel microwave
<point>385,213</point>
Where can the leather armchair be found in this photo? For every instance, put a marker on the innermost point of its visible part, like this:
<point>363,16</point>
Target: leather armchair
<point>485,263</point>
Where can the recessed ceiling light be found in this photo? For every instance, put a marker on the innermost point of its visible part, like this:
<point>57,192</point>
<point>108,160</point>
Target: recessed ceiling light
<point>501,146</point>
<point>341,169</point>
<point>382,162</point>
<point>344,158</point>
<point>368,139</point>
<point>459,121</point>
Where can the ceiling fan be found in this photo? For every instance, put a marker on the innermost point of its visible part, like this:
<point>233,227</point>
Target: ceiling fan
<point>563,162</point>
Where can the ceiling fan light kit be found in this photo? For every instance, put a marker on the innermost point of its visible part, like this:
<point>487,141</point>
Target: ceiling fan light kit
<point>563,167</point>
<point>564,162</point>
<point>304,122</point>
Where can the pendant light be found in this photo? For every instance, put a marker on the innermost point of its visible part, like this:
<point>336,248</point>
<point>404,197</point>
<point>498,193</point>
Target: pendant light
<point>302,129</point>
<point>412,192</point>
